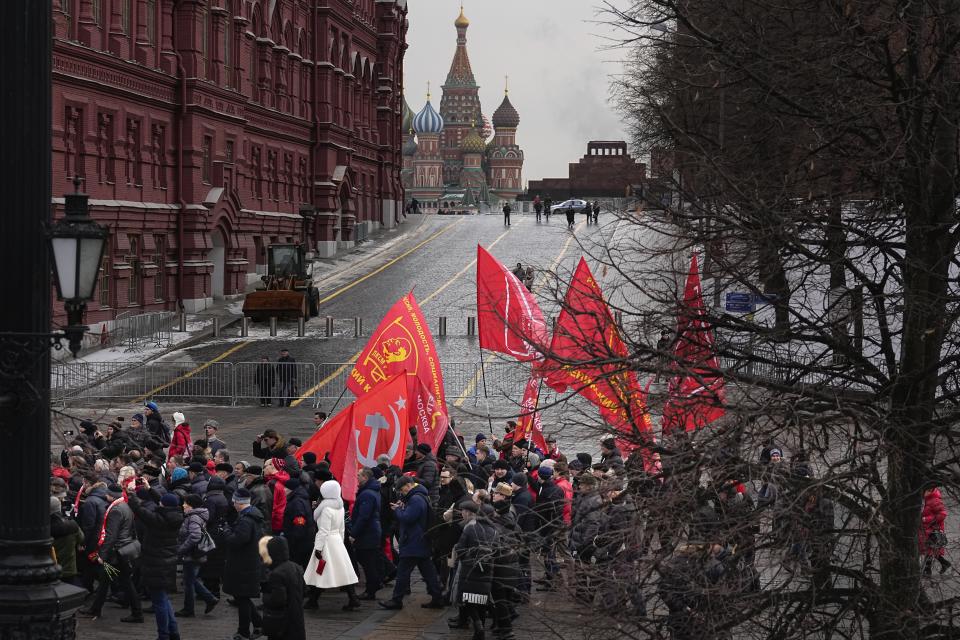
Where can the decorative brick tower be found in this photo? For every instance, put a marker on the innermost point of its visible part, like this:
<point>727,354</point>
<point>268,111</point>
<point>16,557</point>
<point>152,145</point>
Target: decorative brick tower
<point>504,157</point>
<point>459,106</point>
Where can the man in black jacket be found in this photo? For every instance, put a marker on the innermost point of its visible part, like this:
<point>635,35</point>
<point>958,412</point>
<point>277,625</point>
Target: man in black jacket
<point>549,510</point>
<point>298,524</point>
<point>286,378</point>
<point>427,471</point>
<point>158,559</point>
<point>241,576</point>
<point>283,603</point>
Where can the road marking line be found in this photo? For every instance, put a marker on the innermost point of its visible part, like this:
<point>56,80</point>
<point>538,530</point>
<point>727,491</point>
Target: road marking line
<point>388,264</point>
<point>326,299</point>
<point>310,392</point>
<point>194,372</point>
<point>476,377</point>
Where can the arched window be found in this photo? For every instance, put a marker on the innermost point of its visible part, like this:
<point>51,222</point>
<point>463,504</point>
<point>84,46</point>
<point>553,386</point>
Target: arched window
<point>203,71</point>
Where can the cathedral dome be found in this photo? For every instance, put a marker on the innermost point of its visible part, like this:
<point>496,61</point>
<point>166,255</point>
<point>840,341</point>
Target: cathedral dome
<point>428,120</point>
<point>461,22</point>
<point>506,117</point>
<point>473,143</point>
<point>407,121</point>
<point>410,146</point>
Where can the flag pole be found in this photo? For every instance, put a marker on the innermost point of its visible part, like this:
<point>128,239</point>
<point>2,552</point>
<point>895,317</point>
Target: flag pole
<point>533,418</point>
<point>486,398</point>
<point>337,403</point>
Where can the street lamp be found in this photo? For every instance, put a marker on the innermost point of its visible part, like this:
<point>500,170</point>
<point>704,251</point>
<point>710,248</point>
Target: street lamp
<point>77,244</point>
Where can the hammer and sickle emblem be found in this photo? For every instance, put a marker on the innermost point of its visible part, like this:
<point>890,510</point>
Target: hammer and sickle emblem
<point>376,422</point>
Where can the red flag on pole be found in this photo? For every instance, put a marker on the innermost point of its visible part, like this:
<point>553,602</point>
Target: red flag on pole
<point>529,423</point>
<point>508,318</point>
<point>588,354</point>
<point>431,424</point>
<point>695,394</point>
<point>403,342</point>
<point>377,424</point>
<point>324,441</point>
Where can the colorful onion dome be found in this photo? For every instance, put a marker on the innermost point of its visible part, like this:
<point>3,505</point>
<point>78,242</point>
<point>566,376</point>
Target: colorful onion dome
<point>428,120</point>
<point>473,143</point>
<point>506,117</point>
<point>487,129</point>
<point>461,22</point>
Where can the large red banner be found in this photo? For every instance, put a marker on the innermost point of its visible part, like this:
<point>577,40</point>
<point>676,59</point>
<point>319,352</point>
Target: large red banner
<point>403,342</point>
<point>529,423</point>
<point>588,354</point>
<point>696,393</point>
<point>508,318</point>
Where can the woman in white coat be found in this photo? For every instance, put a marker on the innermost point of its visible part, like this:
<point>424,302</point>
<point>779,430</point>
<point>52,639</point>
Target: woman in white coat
<point>338,571</point>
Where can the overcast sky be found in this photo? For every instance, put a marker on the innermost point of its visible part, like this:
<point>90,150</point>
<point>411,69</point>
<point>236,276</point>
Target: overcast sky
<point>552,51</point>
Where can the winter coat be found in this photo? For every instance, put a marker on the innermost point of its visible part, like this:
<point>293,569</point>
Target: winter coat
<point>587,524</point>
<point>200,484</point>
<point>298,525</point>
<point>241,573</point>
<point>264,377</point>
<point>549,507</point>
<point>365,526</point>
<point>191,531</point>
<point>90,516</point>
<point>614,460</point>
<point>219,514</point>
<point>117,533</point>
<point>276,483</point>
<point>526,517</point>
<point>283,602</point>
<point>261,496</point>
<point>475,551</point>
<point>158,557</point>
<point>66,538</point>
<point>428,477</point>
<point>180,443</point>
<point>932,519</point>
<point>567,489</point>
<point>412,520</point>
<point>157,428</point>
<point>287,370</point>
<point>329,541</point>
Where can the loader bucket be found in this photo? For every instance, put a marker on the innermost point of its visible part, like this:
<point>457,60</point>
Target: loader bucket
<point>287,305</point>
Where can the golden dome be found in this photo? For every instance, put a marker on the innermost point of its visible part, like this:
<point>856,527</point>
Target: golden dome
<point>461,21</point>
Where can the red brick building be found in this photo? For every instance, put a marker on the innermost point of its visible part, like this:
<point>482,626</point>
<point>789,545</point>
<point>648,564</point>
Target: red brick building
<point>606,171</point>
<point>207,129</point>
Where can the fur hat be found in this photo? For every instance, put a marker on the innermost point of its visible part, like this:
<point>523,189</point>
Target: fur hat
<point>501,464</point>
<point>504,489</point>
<point>196,467</point>
<point>193,500</point>
<point>424,448</point>
<point>178,418</point>
<point>213,424</point>
<point>139,418</point>
<point>254,470</point>
<point>242,496</point>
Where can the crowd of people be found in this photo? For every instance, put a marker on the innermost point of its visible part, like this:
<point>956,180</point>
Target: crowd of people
<point>134,509</point>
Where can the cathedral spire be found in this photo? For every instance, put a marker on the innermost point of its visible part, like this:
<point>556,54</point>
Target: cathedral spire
<point>461,74</point>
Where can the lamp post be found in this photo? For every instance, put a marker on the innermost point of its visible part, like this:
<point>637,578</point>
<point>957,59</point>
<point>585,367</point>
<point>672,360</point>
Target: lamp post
<point>33,601</point>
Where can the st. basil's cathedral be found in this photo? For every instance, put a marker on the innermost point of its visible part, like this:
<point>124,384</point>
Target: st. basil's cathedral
<point>449,161</point>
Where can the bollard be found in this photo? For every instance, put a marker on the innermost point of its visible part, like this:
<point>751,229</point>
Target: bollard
<point>357,327</point>
<point>273,326</point>
<point>244,327</point>
<point>442,328</point>
<point>471,326</point>
<point>329,325</point>
<point>216,327</point>
<point>183,321</point>
<point>301,327</point>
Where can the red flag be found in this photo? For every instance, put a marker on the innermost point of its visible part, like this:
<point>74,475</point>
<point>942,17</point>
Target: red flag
<point>695,394</point>
<point>378,424</point>
<point>508,318</point>
<point>431,423</point>
<point>325,439</point>
<point>529,423</point>
<point>588,354</point>
<point>403,342</point>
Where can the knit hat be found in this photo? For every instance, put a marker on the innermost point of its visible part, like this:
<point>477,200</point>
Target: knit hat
<point>152,406</point>
<point>88,426</point>
<point>195,467</point>
<point>279,463</point>
<point>213,424</point>
<point>585,459</point>
<point>776,451</point>
<point>178,474</point>
<point>545,472</point>
<point>503,489</point>
<point>139,418</point>
<point>519,479</point>
<point>255,470</point>
<point>193,500</point>
<point>224,466</point>
<point>470,506</point>
<point>178,418</point>
<point>608,443</point>
<point>481,436</point>
<point>170,500</point>
<point>533,461</point>
<point>292,483</point>
<point>575,465</point>
<point>242,496</point>
<point>424,448</point>
<point>297,442</point>
<point>310,458</point>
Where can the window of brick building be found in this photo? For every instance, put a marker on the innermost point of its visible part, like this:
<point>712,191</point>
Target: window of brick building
<point>204,70</point>
<point>125,16</point>
<point>151,21</point>
<point>228,45</point>
<point>104,281</point>
<point>136,271</point>
<point>97,6</point>
<point>160,281</point>
<point>229,151</point>
<point>206,168</point>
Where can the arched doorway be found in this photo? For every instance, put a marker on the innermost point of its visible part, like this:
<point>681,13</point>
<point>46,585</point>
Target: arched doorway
<point>218,256</point>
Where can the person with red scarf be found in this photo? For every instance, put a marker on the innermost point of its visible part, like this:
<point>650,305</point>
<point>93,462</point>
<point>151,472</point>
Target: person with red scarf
<point>181,443</point>
<point>932,536</point>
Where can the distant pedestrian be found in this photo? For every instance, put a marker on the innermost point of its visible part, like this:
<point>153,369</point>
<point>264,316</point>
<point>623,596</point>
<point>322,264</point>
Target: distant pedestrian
<point>596,212</point>
<point>571,216</point>
<point>286,378</point>
<point>538,207</point>
<point>264,377</point>
<point>933,540</point>
<point>506,214</point>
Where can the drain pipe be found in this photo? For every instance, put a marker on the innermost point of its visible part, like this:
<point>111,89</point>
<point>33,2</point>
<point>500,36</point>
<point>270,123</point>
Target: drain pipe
<point>180,113</point>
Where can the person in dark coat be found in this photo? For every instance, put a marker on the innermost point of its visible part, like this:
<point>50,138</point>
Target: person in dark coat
<point>199,479</point>
<point>610,455</point>
<point>90,518</point>
<point>117,532</point>
<point>260,491</point>
<point>220,514</point>
<point>241,575</point>
<point>298,523</point>
<point>413,518</point>
<point>428,473</point>
<point>506,561</point>
<point>188,550</point>
<point>549,511</point>
<point>286,378</point>
<point>158,429</point>
<point>506,214</point>
<point>474,551</point>
<point>283,601</point>
<point>158,559</point>
<point>66,540</point>
<point>365,532</point>
<point>265,378</point>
